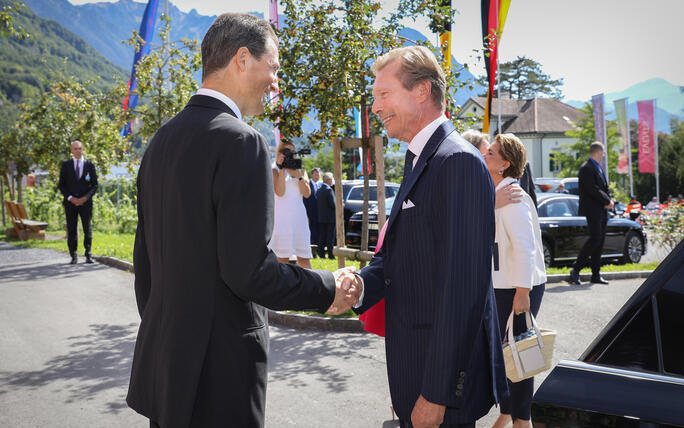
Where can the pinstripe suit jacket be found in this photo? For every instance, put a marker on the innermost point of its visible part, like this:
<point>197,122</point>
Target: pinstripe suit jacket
<point>434,271</point>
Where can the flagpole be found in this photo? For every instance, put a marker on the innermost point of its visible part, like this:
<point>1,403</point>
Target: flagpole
<point>655,140</point>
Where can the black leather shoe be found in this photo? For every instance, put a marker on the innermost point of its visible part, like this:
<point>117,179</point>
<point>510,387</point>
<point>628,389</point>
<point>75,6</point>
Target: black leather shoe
<point>89,260</point>
<point>74,260</point>
<point>598,280</point>
<point>574,277</point>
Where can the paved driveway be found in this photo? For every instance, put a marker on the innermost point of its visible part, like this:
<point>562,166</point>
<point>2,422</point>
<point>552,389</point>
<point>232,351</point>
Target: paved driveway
<point>67,335</point>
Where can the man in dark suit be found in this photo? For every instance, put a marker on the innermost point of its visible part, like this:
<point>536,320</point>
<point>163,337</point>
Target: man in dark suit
<point>594,203</point>
<point>311,205</point>
<point>444,359</point>
<point>326,217</point>
<point>203,271</point>
<point>78,185</point>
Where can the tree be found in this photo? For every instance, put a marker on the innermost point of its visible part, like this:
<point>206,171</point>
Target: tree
<point>68,111</point>
<point>523,78</point>
<point>165,79</point>
<point>7,13</point>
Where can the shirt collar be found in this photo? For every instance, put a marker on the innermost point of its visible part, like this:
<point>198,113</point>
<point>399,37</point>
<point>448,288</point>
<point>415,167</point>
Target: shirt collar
<point>421,138</point>
<point>505,182</point>
<point>221,97</point>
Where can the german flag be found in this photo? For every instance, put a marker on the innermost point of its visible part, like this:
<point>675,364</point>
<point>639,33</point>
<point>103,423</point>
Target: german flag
<point>493,18</point>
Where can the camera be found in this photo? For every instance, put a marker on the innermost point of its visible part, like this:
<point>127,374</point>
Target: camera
<point>290,162</point>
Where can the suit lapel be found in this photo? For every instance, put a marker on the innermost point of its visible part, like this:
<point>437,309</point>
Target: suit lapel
<point>430,148</point>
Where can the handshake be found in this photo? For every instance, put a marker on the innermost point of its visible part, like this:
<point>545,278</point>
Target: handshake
<point>348,289</point>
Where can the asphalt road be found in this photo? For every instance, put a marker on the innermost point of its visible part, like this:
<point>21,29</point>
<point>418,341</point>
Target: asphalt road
<point>67,335</point>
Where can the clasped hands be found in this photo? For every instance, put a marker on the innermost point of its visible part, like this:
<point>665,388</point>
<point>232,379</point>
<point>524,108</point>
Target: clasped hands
<point>78,201</point>
<point>348,289</point>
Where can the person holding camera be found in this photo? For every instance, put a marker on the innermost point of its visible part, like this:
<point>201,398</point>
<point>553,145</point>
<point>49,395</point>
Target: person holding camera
<point>291,233</point>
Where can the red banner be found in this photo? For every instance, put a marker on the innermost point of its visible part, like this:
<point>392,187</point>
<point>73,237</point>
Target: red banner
<point>647,136</point>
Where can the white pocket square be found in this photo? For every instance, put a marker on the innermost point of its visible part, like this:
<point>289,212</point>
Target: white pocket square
<point>407,204</point>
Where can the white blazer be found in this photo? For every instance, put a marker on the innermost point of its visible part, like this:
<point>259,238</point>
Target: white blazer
<point>518,258</point>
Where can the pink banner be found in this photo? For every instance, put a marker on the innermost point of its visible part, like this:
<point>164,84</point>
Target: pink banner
<point>647,136</point>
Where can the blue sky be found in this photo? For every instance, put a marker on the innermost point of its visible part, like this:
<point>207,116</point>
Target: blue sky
<point>594,45</point>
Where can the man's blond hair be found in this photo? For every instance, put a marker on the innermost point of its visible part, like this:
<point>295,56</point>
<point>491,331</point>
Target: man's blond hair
<point>418,63</point>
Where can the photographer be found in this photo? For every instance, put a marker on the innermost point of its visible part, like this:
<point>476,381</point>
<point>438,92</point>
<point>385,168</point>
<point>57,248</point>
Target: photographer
<point>291,233</point>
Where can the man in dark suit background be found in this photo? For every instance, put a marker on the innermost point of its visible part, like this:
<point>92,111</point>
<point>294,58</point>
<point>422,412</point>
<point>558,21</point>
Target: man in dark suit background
<point>326,217</point>
<point>444,359</point>
<point>203,271</point>
<point>311,205</point>
<point>78,185</point>
<point>594,203</point>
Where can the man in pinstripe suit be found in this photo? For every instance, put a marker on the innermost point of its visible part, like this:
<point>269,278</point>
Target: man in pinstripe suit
<point>444,361</point>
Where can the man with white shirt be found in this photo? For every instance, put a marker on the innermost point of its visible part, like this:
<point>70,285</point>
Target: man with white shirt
<point>444,361</point>
<point>203,271</point>
<point>78,185</point>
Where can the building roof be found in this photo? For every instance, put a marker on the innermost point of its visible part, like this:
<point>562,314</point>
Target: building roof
<point>534,116</point>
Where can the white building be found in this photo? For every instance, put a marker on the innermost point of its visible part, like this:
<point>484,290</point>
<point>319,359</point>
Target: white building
<point>540,123</point>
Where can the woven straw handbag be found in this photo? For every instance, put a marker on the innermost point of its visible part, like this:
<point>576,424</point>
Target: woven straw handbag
<point>531,355</point>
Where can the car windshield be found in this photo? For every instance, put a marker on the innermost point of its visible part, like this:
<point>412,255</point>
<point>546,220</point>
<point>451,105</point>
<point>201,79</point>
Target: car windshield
<point>559,207</point>
<point>357,193</point>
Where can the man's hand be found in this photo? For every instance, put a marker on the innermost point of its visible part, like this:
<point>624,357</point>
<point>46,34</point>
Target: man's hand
<point>348,290</point>
<point>426,414</point>
<point>521,300</point>
<point>610,205</point>
<point>78,201</point>
<point>510,194</point>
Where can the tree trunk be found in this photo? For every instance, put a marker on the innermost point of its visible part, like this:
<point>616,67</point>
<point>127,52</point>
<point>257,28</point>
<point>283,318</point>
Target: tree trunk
<point>20,192</point>
<point>366,178</point>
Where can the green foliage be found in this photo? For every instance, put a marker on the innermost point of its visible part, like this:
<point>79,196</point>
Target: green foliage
<point>51,53</point>
<point>326,51</point>
<point>608,268</point>
<point>7,12</point>
<point>523,78</point>
<point>165,78</point>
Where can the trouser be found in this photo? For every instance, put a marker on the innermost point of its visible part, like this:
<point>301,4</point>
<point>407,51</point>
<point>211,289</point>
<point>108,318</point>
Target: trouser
<point>518,403</point>
<point>313,228</point>
<point>594,245</point>
<point>408,424</point>
<point>326,239</point>
<point>72,213</point>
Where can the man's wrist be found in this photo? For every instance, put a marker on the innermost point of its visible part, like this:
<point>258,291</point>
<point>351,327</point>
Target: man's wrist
<point>69,197</point>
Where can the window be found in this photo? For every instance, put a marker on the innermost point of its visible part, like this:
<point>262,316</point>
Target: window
<point>391,192</point>
<point>558,208</point>
<point>357,194</point>
<point>554,162</point>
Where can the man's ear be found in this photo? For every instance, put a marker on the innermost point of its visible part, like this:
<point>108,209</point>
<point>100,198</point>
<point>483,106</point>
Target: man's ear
<point>424,90</point>
<point>241,58</point>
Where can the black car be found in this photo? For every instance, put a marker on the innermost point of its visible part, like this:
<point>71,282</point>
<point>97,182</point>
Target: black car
<point>352,194</point>
<point>564,232</point>
<point>632,375</point>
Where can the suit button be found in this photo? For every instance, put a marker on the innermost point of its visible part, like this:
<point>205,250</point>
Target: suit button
<point>461,374</point>
<point>459,386</point>
<point>388,281</point>
<point>459,393</point>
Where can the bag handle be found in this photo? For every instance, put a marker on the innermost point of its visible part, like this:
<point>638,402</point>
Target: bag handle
<point>531,323</point>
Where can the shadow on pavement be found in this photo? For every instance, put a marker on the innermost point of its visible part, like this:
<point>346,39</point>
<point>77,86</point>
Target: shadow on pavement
<point>296,354</point>
<point>98,361</point>
<point>564,288</point>
<point>56,269</point>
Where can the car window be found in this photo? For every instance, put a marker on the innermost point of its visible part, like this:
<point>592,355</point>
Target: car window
<point>357,194</point>
<point>390,191</point>
<point>670,303</point>
<point>572,187</point>
<point>557,208</point>
<point>345,190</point>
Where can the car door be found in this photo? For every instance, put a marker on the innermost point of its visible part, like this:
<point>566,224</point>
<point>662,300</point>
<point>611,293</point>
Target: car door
<point>556,216</point>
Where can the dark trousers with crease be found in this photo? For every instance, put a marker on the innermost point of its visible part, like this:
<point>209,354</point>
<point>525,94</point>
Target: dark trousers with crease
<point>594,245</point>
<point>519,402</point>
<point>72,213</point>
<point>326,239</point>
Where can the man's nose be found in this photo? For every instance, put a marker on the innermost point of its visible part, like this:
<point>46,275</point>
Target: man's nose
<point>375,108</point>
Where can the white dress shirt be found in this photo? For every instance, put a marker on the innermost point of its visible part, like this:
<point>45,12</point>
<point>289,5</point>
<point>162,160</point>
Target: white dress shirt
<point>223,98</point>
<point>416,147</point>
<point>518,244</point>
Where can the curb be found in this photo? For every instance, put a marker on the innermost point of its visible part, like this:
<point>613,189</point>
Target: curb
<point>115,263</point>
<point>586,277</point>
<point>353,325</point>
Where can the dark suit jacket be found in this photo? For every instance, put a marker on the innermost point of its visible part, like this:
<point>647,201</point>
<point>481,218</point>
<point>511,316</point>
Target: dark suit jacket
<point>326,204</point>
<point>204,274</point>
<point>527,183</point>
<point>594,193</point>
<point>70,186</point>
<point>434,271</point>
<point>311,203</point>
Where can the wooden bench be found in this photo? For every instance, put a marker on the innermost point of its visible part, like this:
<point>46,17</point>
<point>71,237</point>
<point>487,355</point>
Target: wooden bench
<point>23,227</point>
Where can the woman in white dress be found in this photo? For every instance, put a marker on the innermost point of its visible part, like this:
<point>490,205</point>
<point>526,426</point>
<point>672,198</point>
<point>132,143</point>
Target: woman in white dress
<point>291,235</point>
